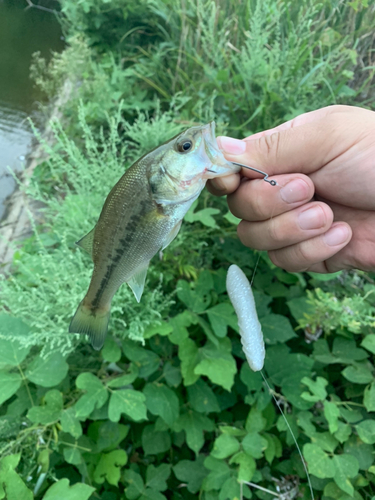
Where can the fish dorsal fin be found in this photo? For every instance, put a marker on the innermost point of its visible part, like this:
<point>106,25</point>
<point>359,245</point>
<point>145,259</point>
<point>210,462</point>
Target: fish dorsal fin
<point>137,282</point>
<point>172,235</point>
<point>87,241</point>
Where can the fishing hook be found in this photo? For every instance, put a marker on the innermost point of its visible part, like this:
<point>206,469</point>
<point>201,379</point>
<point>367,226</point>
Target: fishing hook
<point>265,178</point>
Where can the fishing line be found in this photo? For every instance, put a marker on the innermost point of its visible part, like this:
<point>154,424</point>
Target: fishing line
<point>291,432</point>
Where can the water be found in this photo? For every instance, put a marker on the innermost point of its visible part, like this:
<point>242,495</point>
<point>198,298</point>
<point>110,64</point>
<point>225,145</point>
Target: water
<point>22,32</point>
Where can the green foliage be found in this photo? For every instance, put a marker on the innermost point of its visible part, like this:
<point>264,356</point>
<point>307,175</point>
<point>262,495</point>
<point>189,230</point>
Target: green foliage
<point>169,408</point>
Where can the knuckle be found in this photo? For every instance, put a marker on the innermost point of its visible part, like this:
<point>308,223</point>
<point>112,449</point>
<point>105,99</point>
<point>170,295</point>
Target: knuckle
<point>275,232</point>
<point>270,144</point>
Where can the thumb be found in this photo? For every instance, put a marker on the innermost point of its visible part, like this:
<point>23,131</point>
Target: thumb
<point>303,148</point>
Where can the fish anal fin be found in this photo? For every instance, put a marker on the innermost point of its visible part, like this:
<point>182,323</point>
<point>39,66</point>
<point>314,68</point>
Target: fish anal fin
<point>172,235</point>
<point>86,243</point>
<point>137,282</point>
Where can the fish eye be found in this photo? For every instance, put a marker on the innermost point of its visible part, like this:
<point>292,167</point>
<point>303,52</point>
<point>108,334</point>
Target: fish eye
<point>184,145</point>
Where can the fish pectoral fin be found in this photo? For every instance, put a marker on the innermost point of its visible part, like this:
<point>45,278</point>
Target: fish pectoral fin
<point>87,241</point>
<point>137,282</point>
<point>172,235</point>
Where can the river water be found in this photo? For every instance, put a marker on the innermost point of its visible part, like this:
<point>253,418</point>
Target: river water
<point>22,32</point>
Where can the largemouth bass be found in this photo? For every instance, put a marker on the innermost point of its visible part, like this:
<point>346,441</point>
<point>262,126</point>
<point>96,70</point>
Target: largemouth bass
<point>142,215</point>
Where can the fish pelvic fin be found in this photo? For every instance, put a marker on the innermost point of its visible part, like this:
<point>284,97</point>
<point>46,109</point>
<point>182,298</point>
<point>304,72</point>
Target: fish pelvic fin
<point>91,322</point>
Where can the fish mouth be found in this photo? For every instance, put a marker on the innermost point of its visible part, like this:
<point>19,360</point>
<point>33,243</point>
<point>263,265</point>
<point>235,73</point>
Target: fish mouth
<point>220,166</point>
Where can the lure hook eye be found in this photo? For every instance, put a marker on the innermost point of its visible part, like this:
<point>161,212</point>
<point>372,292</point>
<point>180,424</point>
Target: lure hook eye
<point>265,178</point>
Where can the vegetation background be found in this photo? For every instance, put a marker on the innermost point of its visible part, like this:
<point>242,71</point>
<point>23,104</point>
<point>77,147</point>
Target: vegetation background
<point>169,408</point>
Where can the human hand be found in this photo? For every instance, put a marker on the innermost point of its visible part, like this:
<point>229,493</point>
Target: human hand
<point>321,215</point>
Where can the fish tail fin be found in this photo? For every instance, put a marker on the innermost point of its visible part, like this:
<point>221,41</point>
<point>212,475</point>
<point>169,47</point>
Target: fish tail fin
<point>92,322</point>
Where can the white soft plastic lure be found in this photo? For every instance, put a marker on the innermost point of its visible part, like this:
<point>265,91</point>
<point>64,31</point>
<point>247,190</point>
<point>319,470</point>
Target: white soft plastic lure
<point>242,298</point>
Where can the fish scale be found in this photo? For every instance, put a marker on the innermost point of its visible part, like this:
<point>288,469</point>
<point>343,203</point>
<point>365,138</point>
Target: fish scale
<point>141,215</point>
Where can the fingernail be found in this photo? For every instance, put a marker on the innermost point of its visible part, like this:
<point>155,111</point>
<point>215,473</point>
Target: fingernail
<point>231,146</point>
<point>336,236</point>
<point>294,191</point>
<point>313,218</point>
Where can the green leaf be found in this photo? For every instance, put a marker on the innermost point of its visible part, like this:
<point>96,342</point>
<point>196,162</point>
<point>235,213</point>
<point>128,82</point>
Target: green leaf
<point>358,374</point>
<point>202,397</point>
<point>15,488</point>
<point>61,489</point>
<point>346,466</point>
<point>276,328</point>
<point>147,361</point>
<point>11,352</point>
<point>218,364</point>
<point>111,351</point>
<point>364,453</point>
<point>156,477</point>
<point>219,473</point>
<point>47,372</point>
<point>9,383</point>
<point>203,216</point>
<point>254,444</point>
<point>162,401</point>
<point>255,421</point>
<point>107,435</point>
<point>247,465</point>
<point>154,442</point>
<point>231,490</point>
<point>13,327</point>
<point>172,374</point>
<point>95,397</point>
<point>369,343</point>
<point>225,446</point>
<point>50,412</point>
<point>347,351</point>
<point>125,379</point>
<point>194,424</point>
<point>318,462</point>
<point>369,397</point>
<point>70,423</point>
<point>191,472</point>
<point>221,316</point>
<point>135,484</point>
<point>72,455</point>
<point>332,413</point>
<point>127,401</point>
<point>366,431</point>
<point>325,441</point>
<point>109,467</point>
<point>188,354</point>
<point>343,432</point>
<point>317,388</point>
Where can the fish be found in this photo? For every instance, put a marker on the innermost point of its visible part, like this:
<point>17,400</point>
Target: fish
<point>142,215</point>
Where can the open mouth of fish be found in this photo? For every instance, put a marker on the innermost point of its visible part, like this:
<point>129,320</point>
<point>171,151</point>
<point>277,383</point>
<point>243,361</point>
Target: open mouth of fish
<point>220,166</point>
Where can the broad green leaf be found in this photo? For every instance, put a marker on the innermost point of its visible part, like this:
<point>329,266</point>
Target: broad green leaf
<point>318,462</point>
<point>253,380</point>
<point>109,467</point>
<point>95,397</point>
<point>194,424</point>
<point>203,216</point>
<point>369,397</point>
<point>255,421</point>
<point>343,432</point>
<point>225,446</point>
<point>12,353</point>
<point>188,354</point>
<point>346,466</point>
<point>325,441</point>
<point>125,379</point>
<point>279,360</point>
<point>135,484</point>
<point>191,472</point>
<point>231,489</point>
<point>202,397</point>
<point>219,473</point>
<point>196,302</point>
<point>172,374</point>
<point>127,401</point>
<point>221,316</point>
<point>369,343</point>
<point>304,421</point>
<point>217,364</point>
<point>61,489</point>
<point>254,444</point>
<point>156,477</point>
<point>317,389</point>
<point>332,413</point>
<point>111,351</point>
<point>12,486</point>
<point>72,455</point>
<point>48,413</point>
<point>247,465</point>
<point>9,383</point>
<point>47,372</point>
<point>347,351</point>
<point>154,442</point>
<point>147,361</point>
<point>276,328</point>
<point>70,423</point>
<point>150,494</point>
<point>300,307</point>
<point>358,374</point>
<point>366,431</point>
<point>13,327</point>
<point>162,401</point>
<point>107,435</point>
<point>162,328</point>
<point>364,453</point>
